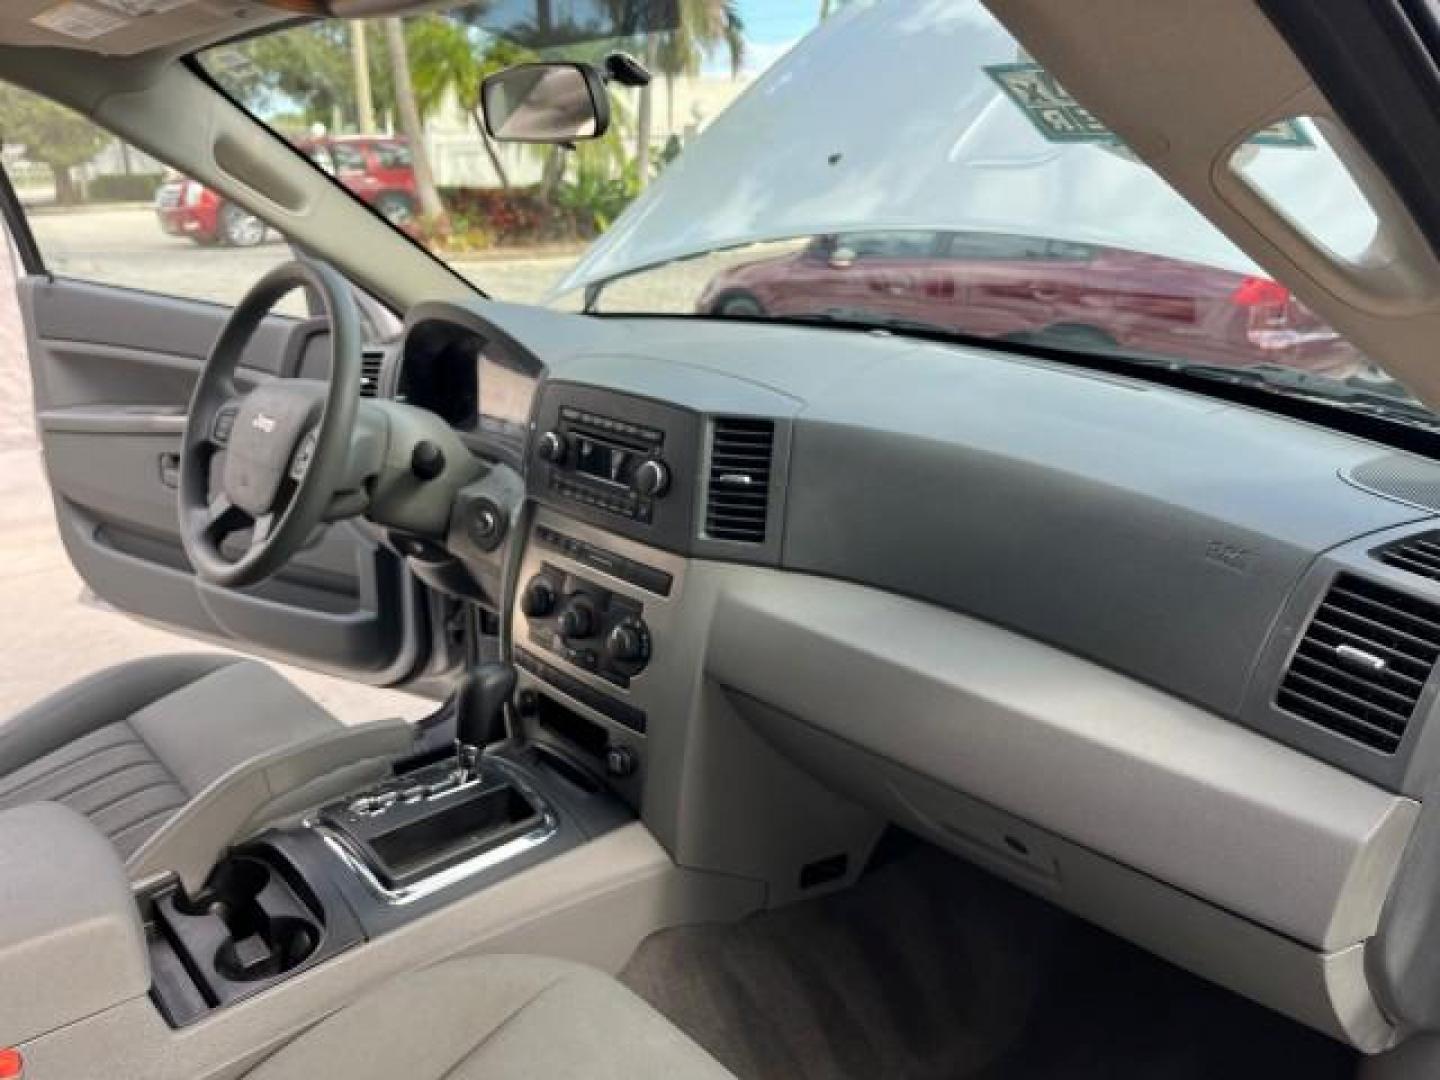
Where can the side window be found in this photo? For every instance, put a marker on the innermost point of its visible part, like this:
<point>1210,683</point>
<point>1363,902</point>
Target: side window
<point>1065,249</point>
<point>102,211</point>
<point>979,246</point>
<point>393,155</point>
<point>888,245</point>
<point>348,159</point>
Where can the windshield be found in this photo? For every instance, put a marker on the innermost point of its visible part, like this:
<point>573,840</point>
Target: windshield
<point>786,163</point>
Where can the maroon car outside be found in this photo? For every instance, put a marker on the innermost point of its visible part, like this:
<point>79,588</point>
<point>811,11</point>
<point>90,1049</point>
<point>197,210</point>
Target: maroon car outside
<point>377,169</point>
<point>1042,290</point>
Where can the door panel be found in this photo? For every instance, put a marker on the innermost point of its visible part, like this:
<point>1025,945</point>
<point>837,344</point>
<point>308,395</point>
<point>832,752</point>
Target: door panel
<point>113,371</point>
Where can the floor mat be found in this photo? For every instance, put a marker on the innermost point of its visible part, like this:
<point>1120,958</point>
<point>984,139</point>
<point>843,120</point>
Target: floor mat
<point>932,968</point>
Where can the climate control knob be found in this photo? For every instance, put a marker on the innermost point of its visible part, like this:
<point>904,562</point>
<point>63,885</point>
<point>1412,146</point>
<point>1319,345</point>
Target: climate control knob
<point>577,620</point>
<point>538,599</point>
<point>628,643</point>
<point>652,478</point>
<point>554,447</point>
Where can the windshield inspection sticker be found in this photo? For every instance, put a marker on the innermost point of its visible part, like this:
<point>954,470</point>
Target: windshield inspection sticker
<point>79,21</point>
<point>1057,115</point>
<point>1060,118</point>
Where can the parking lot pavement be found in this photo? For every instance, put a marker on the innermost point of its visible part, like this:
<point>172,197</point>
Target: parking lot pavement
<point>124,245</point>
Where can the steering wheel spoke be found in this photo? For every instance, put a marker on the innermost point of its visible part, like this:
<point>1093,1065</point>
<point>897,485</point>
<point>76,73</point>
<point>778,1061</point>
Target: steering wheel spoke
<point>224,424</point>
<point>261,529</point>
<point>222,517</point>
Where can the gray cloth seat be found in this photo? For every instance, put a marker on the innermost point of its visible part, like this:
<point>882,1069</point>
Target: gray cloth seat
<point>494,1018</point>
<point>129,746</point>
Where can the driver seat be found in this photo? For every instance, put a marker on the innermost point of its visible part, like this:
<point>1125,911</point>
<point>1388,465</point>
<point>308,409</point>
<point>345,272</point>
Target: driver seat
<point>132,746</point>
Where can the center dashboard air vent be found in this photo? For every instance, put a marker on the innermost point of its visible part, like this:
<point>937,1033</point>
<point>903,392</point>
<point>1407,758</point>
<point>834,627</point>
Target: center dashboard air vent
<point>372,366</point>
<point>737,501</point>
<point>1363,663</point>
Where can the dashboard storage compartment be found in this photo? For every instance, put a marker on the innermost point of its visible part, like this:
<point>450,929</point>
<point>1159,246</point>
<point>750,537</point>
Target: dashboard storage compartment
<point>470,825</point>
<point>413,829</point>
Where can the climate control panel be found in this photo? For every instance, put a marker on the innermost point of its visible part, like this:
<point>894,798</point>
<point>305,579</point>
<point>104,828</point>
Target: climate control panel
<point>586,624</point>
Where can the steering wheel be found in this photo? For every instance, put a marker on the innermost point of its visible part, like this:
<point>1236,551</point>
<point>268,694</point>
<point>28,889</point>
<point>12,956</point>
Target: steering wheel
<point>269,461</point>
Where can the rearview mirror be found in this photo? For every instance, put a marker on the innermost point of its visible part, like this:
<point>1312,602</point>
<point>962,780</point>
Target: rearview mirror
<point>549,102</point>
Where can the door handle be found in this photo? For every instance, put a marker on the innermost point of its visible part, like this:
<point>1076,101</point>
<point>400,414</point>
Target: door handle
<point>170,470</point>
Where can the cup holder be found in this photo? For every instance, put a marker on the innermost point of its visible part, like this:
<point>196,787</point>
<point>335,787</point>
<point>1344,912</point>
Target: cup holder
<point>282,944</point>
<point>234,885</point>
<point>249,922</point>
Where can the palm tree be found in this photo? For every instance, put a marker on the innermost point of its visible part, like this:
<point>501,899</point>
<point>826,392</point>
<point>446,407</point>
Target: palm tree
<point>360,61</point>
<point>704,27</point>
<point>431,208</point>
<point>446,57</point>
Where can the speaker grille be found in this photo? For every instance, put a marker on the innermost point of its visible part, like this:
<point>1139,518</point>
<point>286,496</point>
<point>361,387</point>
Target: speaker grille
<point>1400,477</point>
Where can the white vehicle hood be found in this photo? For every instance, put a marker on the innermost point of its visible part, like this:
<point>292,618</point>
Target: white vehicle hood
<point>885,118</point>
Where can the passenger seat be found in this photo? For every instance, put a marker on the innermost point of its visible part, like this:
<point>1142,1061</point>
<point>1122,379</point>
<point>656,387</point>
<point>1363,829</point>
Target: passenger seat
<point>495,1018</point>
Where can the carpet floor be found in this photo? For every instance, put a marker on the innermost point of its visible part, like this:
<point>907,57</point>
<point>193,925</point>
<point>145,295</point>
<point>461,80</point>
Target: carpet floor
<point>931,968</point>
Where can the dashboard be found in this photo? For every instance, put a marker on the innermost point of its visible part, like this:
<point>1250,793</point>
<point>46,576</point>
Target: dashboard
<point>442,365</point>
<point>1167,660</point>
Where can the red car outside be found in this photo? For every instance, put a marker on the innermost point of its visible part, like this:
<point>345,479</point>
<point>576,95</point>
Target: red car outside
<point>378,170</point>
<point>1042,290</point>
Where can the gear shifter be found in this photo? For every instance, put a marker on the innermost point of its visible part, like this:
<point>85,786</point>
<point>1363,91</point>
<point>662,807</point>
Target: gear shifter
<point>480,698</point>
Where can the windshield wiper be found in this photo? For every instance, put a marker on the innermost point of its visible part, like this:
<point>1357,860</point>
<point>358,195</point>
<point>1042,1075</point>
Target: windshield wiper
<point>1347,395</point>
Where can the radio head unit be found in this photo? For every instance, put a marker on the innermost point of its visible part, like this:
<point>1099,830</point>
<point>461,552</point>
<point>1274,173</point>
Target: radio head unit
<point>625,463</point>
<point>607,463</point>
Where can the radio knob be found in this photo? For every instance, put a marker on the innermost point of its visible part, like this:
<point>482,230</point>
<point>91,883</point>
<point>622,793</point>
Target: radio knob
<point>578,618</point>
<point>554,447</point>
<point>538,599</point>
<point>628,642</point>
<point>652,478</point>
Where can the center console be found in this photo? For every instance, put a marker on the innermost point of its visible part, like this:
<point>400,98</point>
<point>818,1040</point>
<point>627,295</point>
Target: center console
<point>614,480</point>
<point>424,831</point>
<point>444,826</point>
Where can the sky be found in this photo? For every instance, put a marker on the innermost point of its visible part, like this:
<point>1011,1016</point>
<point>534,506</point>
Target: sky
<point>771,27</point>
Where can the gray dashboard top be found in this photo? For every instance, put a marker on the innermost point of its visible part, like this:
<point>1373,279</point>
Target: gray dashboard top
<point>1156,531</point>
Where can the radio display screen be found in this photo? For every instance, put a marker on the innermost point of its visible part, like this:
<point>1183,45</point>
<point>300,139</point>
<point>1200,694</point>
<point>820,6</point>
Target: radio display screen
<point>606,461</point>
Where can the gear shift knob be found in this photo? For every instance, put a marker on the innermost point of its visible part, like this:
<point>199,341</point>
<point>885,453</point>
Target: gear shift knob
<point>480,698</point>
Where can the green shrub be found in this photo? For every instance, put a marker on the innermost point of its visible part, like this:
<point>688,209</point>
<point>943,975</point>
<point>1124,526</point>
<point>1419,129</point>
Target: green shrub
<point>514,215</point>
<point>597,199</point>
<point>123,187</point>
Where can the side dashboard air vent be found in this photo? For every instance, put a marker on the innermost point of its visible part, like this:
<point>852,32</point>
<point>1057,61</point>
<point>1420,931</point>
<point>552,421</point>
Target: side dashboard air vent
<point>737,502</point>
<point>1419,554</point>
<point>372,366</point>
<point>1364,660</point>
